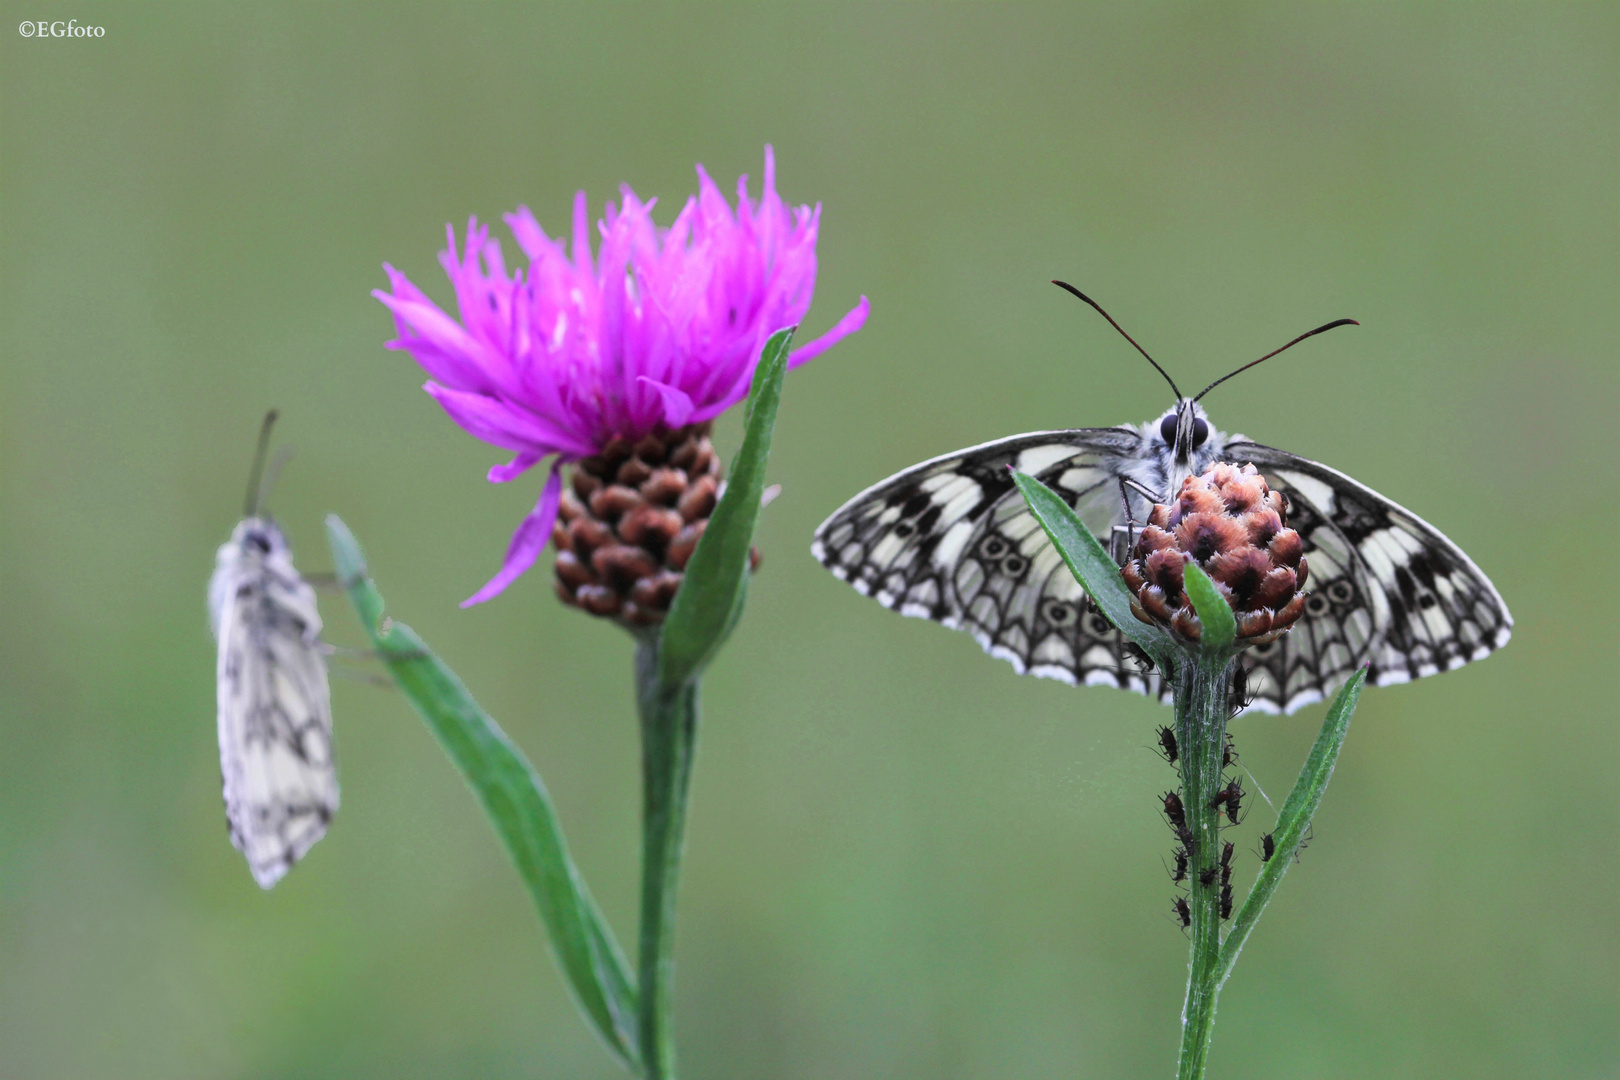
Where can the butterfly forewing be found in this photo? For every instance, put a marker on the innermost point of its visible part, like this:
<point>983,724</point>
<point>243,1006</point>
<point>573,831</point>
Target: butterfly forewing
<point>951,540</point>
<point>275,718</point>
<point>1385,588</point>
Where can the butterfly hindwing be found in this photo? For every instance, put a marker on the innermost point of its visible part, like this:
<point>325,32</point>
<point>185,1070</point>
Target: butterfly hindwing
<point>951,540</point>
<point>1384,588</point>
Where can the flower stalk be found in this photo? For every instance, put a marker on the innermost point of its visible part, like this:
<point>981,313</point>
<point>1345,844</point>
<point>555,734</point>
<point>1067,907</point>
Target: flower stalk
<point>669,715</point>
<point>1202,695</point>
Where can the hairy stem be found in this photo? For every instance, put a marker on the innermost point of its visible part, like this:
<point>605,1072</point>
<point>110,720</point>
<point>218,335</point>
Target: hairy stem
<point>668,738</point>
<point>1202,700</point>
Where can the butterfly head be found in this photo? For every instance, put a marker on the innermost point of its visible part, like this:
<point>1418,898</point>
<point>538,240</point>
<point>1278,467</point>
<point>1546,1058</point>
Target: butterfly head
<point>1184,430</point>
<point>259,536</point>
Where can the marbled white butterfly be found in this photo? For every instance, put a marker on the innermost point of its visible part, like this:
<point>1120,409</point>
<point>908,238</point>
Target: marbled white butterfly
<point>275,713</point>
<point>952,540</point>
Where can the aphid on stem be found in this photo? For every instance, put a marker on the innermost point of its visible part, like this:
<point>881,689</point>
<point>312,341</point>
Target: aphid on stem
<point>1268,847</point>
<point>1183,912</point>
<point>1167,745</point>
<point>1181,857</point>
<point>1226,901</point>
<point>1230,797</point>
<point>1206,876</point>
<point>1240,697</point>
<point>1175,811</point>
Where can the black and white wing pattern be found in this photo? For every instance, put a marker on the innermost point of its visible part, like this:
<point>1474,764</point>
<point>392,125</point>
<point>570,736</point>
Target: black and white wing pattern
<point>1385,587</point>
<point>952,540</point>
<point>275,715</point>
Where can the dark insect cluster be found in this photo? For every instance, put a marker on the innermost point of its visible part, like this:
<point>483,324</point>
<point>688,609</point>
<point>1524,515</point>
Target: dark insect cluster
<point>1227,799</point>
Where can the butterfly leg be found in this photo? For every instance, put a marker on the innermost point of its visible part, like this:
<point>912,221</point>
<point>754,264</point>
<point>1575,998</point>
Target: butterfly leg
<point>323,581</point>
<point>346,652</point>
<point>1141,489</point>
<point>1130,518</point>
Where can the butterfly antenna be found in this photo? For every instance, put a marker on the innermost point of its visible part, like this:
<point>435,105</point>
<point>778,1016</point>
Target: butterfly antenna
<point>1070,288</point>
<point>250,505</point>
<point>270,476</point>
<point>1274,352</point>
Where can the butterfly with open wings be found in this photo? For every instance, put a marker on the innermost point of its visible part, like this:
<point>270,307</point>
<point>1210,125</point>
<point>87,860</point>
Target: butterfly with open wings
<point>951,540</point>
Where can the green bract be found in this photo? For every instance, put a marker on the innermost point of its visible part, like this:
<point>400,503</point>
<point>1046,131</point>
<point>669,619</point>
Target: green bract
<point>711,595</point>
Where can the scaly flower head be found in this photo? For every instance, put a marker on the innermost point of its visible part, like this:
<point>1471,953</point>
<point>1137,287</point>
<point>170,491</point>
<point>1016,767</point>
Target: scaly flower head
<point>1234,526</point>
<point>658,331</point>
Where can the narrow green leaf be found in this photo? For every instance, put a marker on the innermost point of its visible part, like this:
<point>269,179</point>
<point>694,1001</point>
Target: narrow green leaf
<point>1295,818</point>
<point>515,800</point>
<point>710,599</point>
<point>1214,613</point>
<point>1091,565</point>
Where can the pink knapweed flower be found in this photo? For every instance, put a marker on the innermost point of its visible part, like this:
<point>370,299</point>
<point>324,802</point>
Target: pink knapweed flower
<point>662,329</point>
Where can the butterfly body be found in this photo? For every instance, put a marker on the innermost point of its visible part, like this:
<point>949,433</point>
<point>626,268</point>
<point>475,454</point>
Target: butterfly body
<point>274,708</point>
<point>951,540</point>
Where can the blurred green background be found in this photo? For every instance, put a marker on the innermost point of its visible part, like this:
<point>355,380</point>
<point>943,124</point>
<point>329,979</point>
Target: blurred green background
<point>904,860</point>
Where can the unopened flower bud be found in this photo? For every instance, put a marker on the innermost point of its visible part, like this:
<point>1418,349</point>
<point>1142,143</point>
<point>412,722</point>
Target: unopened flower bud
<point>1234,527</point>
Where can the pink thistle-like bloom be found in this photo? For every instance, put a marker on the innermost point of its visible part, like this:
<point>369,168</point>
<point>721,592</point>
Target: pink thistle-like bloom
<point>663,329</point>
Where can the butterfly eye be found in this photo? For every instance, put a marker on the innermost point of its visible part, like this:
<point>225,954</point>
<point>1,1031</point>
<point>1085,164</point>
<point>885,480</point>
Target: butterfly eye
<point>258,540</point>
<point>1167,429</point>
<point>1200,432</point>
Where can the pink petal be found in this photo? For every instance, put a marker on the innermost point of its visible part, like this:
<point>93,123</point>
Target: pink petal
<point>582,234</point>
<point>527,542</point>
<point>500,474</point>
<point>441,345</point>
<point>677,403</point>
<point>501,424</point>
<point>849,324</point>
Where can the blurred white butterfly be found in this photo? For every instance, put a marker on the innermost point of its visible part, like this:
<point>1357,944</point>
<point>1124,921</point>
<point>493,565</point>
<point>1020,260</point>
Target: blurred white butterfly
<point>275,714</point>
<point>952,540</point>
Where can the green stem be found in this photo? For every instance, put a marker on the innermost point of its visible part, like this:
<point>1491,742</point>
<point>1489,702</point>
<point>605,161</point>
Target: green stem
<point>1202,700</point>
<point>668,738</point>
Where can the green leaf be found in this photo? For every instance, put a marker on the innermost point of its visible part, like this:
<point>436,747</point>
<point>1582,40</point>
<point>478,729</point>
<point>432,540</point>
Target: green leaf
<point>710,599</point>
<point>1214,613</point>
<point>515,800</point>
<point>1091,566</point>
<point>1295,818</point>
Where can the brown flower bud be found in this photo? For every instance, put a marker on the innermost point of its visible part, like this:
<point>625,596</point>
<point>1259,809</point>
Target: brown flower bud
<point>1234,527</point>
<point>629,520</point>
